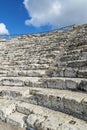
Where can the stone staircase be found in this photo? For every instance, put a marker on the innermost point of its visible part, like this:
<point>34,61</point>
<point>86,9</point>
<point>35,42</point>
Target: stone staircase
<point>43,81</point>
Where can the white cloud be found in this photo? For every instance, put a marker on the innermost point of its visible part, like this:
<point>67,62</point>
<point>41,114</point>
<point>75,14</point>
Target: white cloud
<point>56,12</point>
<point>3,29</point>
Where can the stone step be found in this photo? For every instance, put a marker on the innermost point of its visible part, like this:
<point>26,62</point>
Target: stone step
<point>26,57</point>
<point>3,72</point>
<point>40,48</point>
<point>82,73</point>
<point>33,117</point>
<point>20,68</point>
<point>6,126</point>
<point>76,46</point>
<point>22,73</point>
<point>5,67</point>
<point>28,73</point>
<point>25,66</point>
<point>77,63</point>
<point>17,119</point>
<point>77,84</point>
<point>9,115</point>
<point>80,64</point>
<point>28,54</point>
<point>18,81</point>
<point>28,51</point>
<point>66,58</point>
<point>13,92</point>
<point>75,51</point>
<point>16,94</point>
<point>78,56</point>
<point>41,118</point>
<point>6,108</point>
<point>66,72</point>
<point>29,62</point>
<point>74,103</point>
<point>32,47</point>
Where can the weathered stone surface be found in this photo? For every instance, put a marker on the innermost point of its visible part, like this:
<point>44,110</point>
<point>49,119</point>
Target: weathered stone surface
<point>64,83</point>
<point>63,100</point>
<point>7,126</point>
<point>6,108</point>
<point>47,70</point>
<point>43,118</point>
<point>14,92</point>
<point>78,63</point>
<point>11,82</point>
<point>17,81</point>
<point>16,119</point>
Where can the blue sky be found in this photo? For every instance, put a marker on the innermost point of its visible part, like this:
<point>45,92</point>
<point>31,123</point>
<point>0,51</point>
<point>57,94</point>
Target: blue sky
<point>31,16</point>
<point>13,15</point>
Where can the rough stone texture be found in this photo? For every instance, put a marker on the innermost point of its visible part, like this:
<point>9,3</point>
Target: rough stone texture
<point>63,100</point>
<point>7,126</point>
<point>43,81</point>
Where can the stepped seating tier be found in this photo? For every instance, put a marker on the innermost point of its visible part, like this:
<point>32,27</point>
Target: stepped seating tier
<point>29,116</point>
<point>43,81</point>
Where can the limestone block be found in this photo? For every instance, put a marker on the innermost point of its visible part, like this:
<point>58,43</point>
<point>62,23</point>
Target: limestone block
<point>14,92</point>
<point>29,83</point>
<point>71,125</point>
<point>70,73</point>
<point>78,63</point>
<point>83,85</point>
<point>6,108</point>
<point>84,55</point>
<point>31,74</point>
<point>56,103</point>
<point>53,121</point>
<point>29,99</point>
<point>55,72</point>
<point>12,82</point>
<point>63,100</point>
<point>10,94</point>
<point>35,121</point>
<point>84,102</point>
<point>55,83</point>
<point>17,119</point>
<point>6,126</point>
<point>82,73</point>
<point>43,100</point>
<point>72,106</point>
<point>23,109</point>
<point>72,85</point>
<point>12,73</point>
